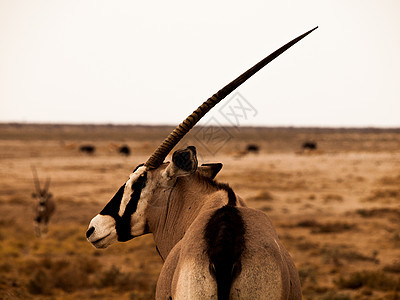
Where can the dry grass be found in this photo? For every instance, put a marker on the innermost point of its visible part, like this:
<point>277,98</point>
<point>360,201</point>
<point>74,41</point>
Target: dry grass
<point>375,280</point>
<point>330,227</point>
<point>262,195</point>
<point>337,211</point>
<point>393,267</point>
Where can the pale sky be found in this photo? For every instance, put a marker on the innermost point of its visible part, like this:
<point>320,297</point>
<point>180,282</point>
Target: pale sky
<point>154,62</point>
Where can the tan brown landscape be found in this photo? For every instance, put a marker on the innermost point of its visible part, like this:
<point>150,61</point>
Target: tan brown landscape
<point>336,208</point>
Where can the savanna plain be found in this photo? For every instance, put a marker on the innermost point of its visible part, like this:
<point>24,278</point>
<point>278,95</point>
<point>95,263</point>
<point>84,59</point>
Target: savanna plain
<point>336,208</point>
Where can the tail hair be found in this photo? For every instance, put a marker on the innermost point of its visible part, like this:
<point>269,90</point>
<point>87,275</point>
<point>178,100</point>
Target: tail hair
<point>224,236</point>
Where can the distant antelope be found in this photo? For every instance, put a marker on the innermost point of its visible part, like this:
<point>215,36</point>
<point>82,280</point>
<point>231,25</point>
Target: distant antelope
<point>121,149</point>
<point>252,148</point>
<point>212,244</point>
<point>89,149</point>
<point>45,205</point>
<point>309,146</point>
<point>124,150</point>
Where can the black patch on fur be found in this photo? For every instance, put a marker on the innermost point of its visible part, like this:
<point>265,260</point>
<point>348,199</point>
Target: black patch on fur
<point>224,236</point>
<point>231,197</point>
<point>123,224</point>
<point>89,232</point>
<point>141,165</point>
<point>220,186</point>
<point>182,159</point>
<point>112,207</point>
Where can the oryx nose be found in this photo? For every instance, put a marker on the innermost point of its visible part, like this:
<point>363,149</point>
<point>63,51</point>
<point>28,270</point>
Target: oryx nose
<point>89,232</point>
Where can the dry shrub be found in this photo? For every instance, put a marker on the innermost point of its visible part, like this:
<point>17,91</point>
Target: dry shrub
<point>6,222</point>
<point>6,267</point>
<point>40,283</point>
<point>394,267</point>
<point>330,227</point>
<point>80,273</point>
<point>379,212</point>
<point>308,223</point>
<point>266,208</point>
<point>67,275</point>
<point>333,295</point>
<point>307,245</point>
<point>335,227</point>
<point>71,278</point>
<point>392,296</point>
<point>262,195</point>
<point>388,180</point>
<point>333,198</point>
<point>396,238</point>
<point>18,200</point>
<point>310,286</point>
<point>308,274</point>
<point>113,277</point>
<point>312,197</point>
<point>10,250</point>
<point>336,255</point>
<point>376,280</point>
<point>386,195</point>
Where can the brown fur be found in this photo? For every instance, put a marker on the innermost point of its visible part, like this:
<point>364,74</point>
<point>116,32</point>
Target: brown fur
<point>179,206</point>
<point>268,271</point>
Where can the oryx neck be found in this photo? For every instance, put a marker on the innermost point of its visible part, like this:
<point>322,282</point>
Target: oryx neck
<point>185,201</point>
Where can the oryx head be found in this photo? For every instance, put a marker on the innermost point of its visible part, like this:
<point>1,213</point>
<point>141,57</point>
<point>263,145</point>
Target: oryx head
<point>42,195</point>
<point>124,216</point>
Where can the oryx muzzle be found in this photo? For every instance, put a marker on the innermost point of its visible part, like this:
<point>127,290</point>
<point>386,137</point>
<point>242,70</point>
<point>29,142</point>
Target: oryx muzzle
<point>157,158</point>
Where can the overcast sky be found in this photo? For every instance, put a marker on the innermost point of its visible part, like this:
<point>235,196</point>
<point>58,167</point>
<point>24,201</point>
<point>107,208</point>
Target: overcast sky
<point>154,62</point>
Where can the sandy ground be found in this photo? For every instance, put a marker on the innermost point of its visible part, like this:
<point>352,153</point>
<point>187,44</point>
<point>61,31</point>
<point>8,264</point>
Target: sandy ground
<point>337,209</point>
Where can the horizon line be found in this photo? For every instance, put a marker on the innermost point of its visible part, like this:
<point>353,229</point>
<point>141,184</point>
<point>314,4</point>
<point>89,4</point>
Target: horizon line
<point>30,123</point>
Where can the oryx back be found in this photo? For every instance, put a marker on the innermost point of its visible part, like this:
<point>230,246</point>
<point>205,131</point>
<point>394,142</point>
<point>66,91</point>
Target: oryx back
<point>229,252</point>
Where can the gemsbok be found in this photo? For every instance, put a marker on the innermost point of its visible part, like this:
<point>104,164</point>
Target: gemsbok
<point>213,245</point>
<point>45,206</point>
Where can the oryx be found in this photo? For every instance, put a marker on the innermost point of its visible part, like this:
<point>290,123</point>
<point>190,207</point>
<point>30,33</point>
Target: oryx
<point>45,206</point>
<point>212,244</point>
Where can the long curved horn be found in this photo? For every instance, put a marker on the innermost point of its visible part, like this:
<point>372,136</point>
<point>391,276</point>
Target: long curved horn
<point>36,179</point>
<point>158,156</point>
<point>47,185</point>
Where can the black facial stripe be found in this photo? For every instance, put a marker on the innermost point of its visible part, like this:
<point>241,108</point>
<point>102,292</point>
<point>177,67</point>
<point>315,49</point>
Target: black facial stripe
<point>112,207</point>
<point>123,224</point>
<point>137,167</point>
<point>137,188</point>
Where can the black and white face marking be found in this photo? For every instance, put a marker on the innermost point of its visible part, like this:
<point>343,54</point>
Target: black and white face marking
<point>123,217</point>
<point>42,196</point>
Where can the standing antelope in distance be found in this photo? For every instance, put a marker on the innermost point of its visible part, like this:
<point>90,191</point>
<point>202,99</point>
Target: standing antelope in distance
<point>213,245</point>
<point>45,205</point>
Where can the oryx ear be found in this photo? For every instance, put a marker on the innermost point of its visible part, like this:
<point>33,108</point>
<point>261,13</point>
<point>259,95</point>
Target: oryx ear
<point>184,162</point>
<point>209,170</point>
